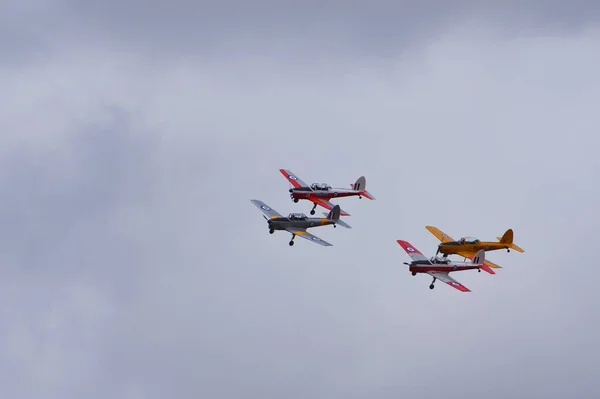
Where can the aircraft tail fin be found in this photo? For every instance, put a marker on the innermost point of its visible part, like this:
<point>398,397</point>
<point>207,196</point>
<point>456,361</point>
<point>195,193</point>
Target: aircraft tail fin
<point>334,213</point>
<point>339,221</point>
<point>361,186</point>
<point>479,258</point>
<point>507,238</point>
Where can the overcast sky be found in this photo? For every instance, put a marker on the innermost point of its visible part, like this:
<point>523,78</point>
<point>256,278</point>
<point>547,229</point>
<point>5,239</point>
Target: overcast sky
<point>133,265</point>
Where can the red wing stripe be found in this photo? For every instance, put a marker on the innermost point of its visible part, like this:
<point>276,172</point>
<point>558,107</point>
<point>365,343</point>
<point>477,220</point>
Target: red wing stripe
<point>408,247</point>
<point>322,203</point>
<point>326,205</point>
<point>291,178</point>
<point>458,286</point>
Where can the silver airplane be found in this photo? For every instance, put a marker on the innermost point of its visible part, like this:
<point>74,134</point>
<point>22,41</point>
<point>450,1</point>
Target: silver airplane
<point>297,223</point>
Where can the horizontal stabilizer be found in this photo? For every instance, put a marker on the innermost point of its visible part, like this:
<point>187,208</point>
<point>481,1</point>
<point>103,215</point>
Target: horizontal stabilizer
<point>507,238</point>
<point>488,269</point>
<point>516,248</point>
<point>340,222</point>
<point>367,194</point>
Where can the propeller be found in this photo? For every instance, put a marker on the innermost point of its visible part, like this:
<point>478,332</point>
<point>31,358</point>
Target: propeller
<point>438,250</point>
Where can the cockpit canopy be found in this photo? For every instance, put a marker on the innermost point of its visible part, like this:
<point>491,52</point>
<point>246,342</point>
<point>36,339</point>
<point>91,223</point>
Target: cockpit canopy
<point>320,186</point>
<point>297,216</point>
<point>439,260</point>
<point>469,240</point>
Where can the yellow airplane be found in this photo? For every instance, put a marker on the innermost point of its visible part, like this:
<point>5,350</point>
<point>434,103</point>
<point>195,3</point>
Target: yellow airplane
<point>468,246</point>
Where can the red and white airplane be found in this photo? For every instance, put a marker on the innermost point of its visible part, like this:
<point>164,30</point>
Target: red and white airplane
<point>439,268</point>
<point>320,193</point>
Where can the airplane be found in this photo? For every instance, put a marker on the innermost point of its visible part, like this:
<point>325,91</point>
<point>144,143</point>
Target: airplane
<point>320,193</point>
<point>468,246</point>
<point>439,268</point>
<point>297,223</point>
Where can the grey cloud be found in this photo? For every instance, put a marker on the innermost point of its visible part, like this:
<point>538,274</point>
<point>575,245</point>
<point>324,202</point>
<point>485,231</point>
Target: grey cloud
<point>230,29</point>
<point>134,265</point>
<point>67,262</point>
<point>46,199</point>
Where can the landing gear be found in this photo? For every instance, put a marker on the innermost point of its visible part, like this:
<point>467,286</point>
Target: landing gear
<point>296,200</point>
<point>432,286</point>
<point>271,231</point>
<point>292,241</point>
<point>507,250</point>
<point>479,270</point>
<point>360,197</point>
<point>312,211</point>
<point>414,273</point>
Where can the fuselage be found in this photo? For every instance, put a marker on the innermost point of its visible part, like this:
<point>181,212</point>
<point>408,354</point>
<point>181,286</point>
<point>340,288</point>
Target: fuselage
<point>307,192</point>
<point>425,266</point>
<point>283,223</point>
<point>454,247</point>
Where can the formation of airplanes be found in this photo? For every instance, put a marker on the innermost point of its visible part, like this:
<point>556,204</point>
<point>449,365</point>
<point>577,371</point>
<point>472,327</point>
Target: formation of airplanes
<point>321,194</point>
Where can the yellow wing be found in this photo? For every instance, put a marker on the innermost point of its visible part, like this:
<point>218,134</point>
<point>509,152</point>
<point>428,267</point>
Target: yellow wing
<point>470,255</point>
<point>439,234</point>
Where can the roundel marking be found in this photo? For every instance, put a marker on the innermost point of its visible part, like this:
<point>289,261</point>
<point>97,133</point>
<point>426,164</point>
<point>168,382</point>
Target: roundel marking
<point>454,267</point>
<point>335,194</point>
<point>266,208</point>
<point>292,177</point>
<point>487,247</point>
<point>410,249</point>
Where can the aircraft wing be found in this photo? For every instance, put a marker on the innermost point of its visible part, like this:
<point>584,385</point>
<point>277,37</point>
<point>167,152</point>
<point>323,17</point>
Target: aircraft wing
<point>445,277</point>
<point>327,205</point>
<point>439,234</point>
<point>310,237</point>
<point>266,209</point>
<point>470,255</point>
<point>414,253</point>
<point>293,179</point>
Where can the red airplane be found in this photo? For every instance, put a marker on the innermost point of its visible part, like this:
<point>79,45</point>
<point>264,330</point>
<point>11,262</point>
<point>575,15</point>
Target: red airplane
<point>320,193</point>
<point>440,267</point>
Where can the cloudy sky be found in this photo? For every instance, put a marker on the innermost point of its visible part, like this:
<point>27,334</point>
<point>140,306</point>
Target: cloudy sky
<point>133,265</point>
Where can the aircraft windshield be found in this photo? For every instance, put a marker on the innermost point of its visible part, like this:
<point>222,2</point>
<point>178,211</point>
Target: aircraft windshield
<point>320,186</point>
<point>470,240</point>
<point>297,216</point>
